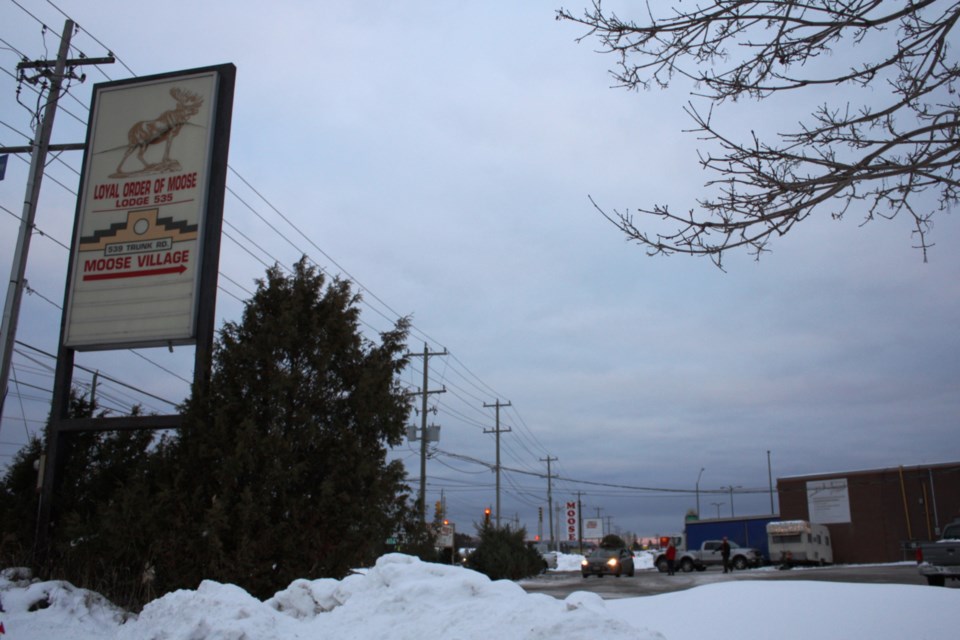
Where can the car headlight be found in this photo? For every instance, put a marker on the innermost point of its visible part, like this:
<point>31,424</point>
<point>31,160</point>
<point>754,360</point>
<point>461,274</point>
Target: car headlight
<point>612,562</point>
<point>584,562</point>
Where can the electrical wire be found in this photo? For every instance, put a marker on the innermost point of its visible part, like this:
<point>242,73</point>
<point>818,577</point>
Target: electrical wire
<point>467,394</point>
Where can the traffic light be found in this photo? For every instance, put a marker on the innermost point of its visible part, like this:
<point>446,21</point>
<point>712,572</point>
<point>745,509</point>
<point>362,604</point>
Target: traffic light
<point>486,517</point>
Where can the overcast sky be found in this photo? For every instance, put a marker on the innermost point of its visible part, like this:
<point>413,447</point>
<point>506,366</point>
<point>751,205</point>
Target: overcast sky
<point>442,155</point>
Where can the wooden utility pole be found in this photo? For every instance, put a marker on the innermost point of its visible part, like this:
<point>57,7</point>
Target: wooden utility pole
<point>422,495</point>
<point>38,160</point>
<point>580,520</point>
<point>56,71</point>
<point>497,430</point>
<point>548,460</point>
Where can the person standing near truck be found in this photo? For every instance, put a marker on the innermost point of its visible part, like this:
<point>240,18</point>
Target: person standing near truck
<point>725,554</point>
<point>671,556</point>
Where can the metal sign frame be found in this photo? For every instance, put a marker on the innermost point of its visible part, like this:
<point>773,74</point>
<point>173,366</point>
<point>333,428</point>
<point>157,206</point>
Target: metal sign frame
<point>203,310</point>
<point>137,252</point>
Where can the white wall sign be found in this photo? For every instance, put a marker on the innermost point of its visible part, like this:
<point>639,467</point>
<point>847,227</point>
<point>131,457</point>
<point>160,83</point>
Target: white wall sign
<point>135,260</point>
<point>828,501</point>
<point>445,535</point>
<point>592,528</point>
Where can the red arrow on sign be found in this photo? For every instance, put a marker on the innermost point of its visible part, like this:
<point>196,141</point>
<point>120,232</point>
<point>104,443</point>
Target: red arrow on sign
<point>135,274</point>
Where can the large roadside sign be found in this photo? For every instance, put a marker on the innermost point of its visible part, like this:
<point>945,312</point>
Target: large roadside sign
<point>572,531</point>
<point>138,243</point>
<point>445,535</point>
<point>593,529</point>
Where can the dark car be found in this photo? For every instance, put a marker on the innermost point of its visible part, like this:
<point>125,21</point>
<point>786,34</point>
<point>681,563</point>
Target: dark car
<point>616,562</point>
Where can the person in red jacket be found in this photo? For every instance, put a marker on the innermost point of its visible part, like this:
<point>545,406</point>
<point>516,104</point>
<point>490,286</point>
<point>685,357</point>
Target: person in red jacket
<point>671,558</point>
<point>725,554</point>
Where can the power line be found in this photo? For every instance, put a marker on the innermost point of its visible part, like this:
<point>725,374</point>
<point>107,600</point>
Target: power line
<point>471,386</point>
<point>106,377</point>
<point>36,229</point>
<point>247,249</point>
<point>13,48</point>
<point>24,9</point>
<point>626,487</point>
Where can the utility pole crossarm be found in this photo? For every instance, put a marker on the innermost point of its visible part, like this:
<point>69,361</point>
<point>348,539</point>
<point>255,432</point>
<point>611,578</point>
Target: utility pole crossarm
<point>58,76</point>
<point>71,62</point>
<point>70,146</point>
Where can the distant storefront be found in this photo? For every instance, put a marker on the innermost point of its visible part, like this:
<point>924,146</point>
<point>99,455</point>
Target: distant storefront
<point>875,515</point>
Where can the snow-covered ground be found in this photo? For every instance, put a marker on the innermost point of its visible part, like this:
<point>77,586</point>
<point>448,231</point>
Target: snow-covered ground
<point>402,597</point>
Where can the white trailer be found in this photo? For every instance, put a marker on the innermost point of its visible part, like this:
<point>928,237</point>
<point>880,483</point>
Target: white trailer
<point>798,542</point>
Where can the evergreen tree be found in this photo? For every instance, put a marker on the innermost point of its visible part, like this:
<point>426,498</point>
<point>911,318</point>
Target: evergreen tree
<point>503,554</point>
<point>19,495</point>
<point>19,502</point>
<point>278,473</point>
<point>280,470</point>
<point>86,548</point>
<point>612,541</point>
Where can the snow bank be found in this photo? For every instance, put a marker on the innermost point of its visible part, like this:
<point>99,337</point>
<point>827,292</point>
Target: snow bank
<point>54,609</point>
<point>568,562</point>
<point>404,598</point>
<point>399,598</point>
<point>642,561</point>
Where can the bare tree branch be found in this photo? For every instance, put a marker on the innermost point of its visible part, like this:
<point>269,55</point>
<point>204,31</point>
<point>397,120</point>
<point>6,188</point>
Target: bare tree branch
<point>877,159</point>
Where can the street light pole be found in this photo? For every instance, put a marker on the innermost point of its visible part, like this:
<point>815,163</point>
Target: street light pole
<point>770,481</point>
<point>717,505</point>
<point>698,491</point>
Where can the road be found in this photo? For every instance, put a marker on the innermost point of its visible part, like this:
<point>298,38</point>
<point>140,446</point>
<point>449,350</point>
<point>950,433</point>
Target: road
<point>560,584</point>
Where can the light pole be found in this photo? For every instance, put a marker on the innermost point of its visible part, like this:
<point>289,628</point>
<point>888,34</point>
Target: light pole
<point>770,481</point>
<point>698,491</point>
<point>718,505</point>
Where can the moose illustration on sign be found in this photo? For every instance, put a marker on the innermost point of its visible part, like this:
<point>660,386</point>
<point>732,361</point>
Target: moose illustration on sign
<point>162,129</point>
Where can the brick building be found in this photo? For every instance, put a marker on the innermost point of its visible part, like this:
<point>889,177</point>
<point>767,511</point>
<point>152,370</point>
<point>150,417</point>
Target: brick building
<point>875,515</point>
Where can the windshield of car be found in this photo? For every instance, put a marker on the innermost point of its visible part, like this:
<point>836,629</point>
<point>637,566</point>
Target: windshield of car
<point>605,553</point>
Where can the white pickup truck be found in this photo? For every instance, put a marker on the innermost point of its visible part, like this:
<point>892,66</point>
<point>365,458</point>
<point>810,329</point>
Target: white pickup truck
<point>940,560</point>
<point>708,555</point>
